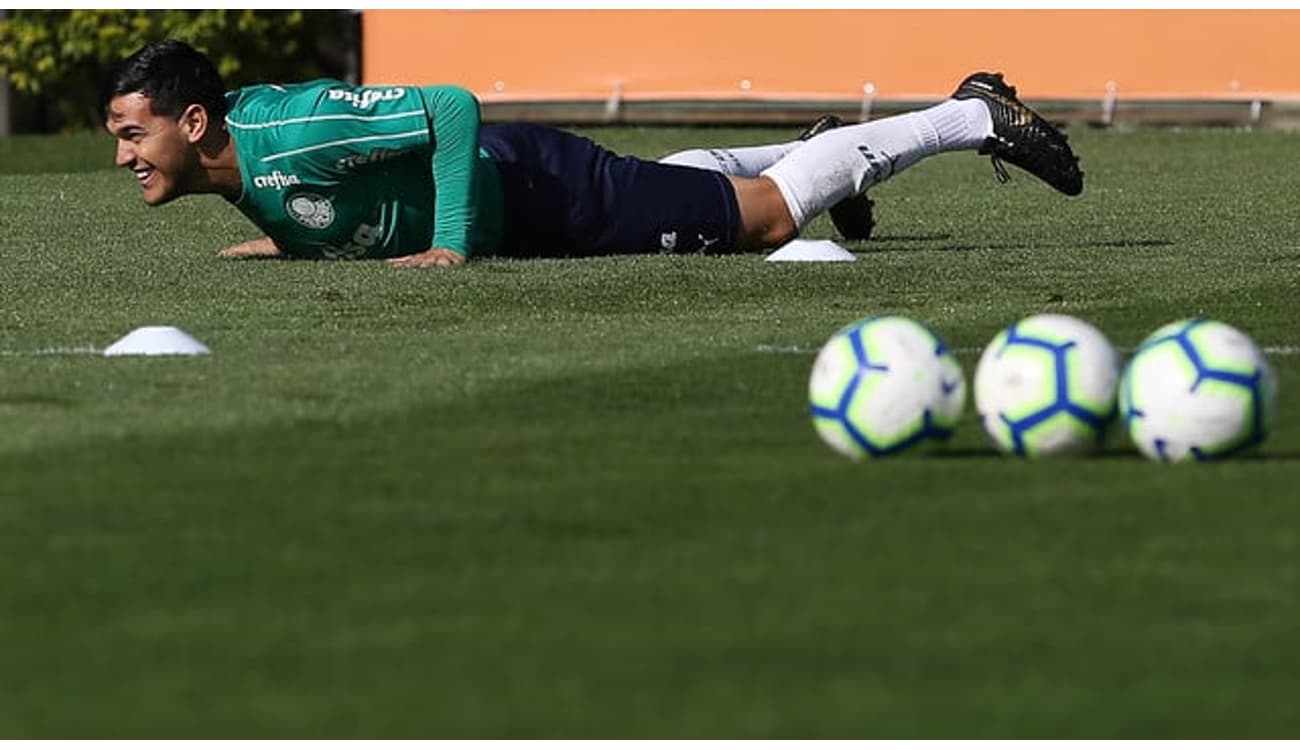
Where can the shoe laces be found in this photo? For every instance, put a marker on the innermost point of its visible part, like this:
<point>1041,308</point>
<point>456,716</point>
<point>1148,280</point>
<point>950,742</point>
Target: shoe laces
<point>1000,170</point>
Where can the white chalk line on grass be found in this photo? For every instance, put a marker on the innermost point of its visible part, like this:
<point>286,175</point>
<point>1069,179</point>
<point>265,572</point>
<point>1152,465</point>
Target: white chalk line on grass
<point>1281,350</point>
<point>53,351</point>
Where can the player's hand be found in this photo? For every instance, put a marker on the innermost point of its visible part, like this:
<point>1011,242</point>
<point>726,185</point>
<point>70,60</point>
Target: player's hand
<point>259,248</point>
<point>435,257</point>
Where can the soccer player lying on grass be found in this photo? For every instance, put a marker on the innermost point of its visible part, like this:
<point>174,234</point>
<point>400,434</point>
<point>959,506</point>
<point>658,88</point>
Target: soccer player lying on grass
<point>330,170</point>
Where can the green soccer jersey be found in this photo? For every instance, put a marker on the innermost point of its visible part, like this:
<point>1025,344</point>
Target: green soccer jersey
<point>332,170</point>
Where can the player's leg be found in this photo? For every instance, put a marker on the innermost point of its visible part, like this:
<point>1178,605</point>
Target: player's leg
<point>852,217</point>
<point>741,161</point>
<point>765,218</point>
<point>565,195</point>
<point>832,168</point>
<point>846,161</point>
<point>983,115</point>
<point>849,160</point>
<point>749,161</point>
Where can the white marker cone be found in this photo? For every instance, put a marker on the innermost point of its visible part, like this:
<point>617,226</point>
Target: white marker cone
<point>811,250</point>
<point>153,341</point>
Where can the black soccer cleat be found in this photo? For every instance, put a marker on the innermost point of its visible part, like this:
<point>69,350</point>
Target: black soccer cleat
<point>852,216</point>
<point>1021,136</point>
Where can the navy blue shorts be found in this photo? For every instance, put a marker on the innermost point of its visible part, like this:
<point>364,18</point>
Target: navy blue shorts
<point>565,196</point>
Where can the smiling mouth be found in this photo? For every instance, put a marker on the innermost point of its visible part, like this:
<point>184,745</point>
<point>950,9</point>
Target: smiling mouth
<point>143,175</point>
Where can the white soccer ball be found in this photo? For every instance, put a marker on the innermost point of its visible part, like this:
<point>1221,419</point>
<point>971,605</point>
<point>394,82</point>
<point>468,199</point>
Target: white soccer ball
<point>883,385</point>
<point>1045,386</point>
<point>1197,390</point>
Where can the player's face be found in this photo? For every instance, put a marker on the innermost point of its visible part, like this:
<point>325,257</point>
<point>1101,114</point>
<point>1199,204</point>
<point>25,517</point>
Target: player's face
<point>159,150</point>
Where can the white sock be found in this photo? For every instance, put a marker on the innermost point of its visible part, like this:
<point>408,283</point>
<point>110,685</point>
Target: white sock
<point>962,124</point>
<point>849,160</point>
<point>746,161</point>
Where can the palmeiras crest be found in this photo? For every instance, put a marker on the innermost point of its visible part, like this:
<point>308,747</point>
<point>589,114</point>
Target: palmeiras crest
<point>310,210</point>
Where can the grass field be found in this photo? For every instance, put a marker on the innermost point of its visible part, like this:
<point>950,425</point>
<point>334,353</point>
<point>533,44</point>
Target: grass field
<point>584,498</point>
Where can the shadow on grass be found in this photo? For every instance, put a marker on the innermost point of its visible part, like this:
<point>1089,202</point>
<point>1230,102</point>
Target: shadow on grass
<point>904,238</point>
<point>883,244</point>
<point>1118,453</point>
<point>1108,454</point>
<point>1271,457</point>
<point>1107,245</point>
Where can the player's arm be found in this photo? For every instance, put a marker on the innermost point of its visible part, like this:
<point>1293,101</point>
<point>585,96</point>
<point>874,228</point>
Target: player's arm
<point>453,117</point>
<point>262,247</point>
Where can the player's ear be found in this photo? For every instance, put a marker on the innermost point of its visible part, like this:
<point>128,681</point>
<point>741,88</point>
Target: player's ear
<point>194,122</point>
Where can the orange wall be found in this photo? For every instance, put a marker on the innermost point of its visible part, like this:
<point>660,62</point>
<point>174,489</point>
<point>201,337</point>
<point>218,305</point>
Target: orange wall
<point>545,54</point>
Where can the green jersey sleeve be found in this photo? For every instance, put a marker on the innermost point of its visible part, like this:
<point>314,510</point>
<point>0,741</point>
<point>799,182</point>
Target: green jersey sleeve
<point>454,122</point>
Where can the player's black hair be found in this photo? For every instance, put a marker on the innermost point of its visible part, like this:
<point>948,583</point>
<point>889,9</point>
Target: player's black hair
<point>172,75</point>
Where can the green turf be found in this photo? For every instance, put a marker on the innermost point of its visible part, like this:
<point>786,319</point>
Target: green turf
<point>584,498</point>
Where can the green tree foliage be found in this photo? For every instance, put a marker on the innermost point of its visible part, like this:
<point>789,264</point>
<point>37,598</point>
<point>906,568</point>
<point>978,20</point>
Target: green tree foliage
<point>67,54</point>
